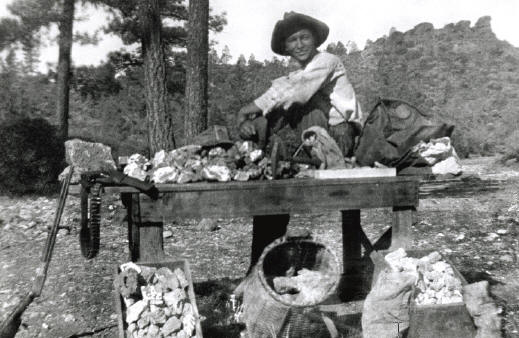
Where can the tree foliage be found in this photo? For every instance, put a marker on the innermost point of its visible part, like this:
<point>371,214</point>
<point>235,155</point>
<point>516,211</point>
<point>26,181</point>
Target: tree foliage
<point>127,23</point>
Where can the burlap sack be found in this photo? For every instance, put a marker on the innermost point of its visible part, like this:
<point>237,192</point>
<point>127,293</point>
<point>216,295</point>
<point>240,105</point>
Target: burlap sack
<point>386,309</point>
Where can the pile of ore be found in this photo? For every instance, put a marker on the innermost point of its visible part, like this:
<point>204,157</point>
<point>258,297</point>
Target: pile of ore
<point>304,288</point>
<point>193,163</point>
<point>156,300</point>
<point>436,282</point>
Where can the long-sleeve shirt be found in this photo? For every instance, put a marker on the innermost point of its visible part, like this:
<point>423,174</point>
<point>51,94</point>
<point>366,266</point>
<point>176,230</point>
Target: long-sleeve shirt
<point>323,78</point>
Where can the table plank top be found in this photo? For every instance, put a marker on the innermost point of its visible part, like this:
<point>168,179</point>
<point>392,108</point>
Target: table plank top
<point>256,184</point>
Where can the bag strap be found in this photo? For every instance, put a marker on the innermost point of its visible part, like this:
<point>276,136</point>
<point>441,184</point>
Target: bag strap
<point>332,329</point>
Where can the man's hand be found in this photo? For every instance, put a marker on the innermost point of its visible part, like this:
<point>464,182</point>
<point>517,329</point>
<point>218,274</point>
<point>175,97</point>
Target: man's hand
<point>246,113</point>
<point>247,130</point>
<point>245,116</point>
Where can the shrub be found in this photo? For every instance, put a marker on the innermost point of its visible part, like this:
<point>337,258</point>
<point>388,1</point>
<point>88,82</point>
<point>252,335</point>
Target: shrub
<point>511,146</point>
<point>31,156</point>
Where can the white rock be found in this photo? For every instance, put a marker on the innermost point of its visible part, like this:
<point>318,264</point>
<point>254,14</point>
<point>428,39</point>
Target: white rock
<point>218,173</point>
<point>506,258</point>
<point>153,331</point>
<point>159,158</point>
<point>460,237</point>
<point>138,159</point>
<point>181,278</point>
<point>132,327</point>
<point>134,311</point>
<point>152,294</point>
<point>172,299</point>
<point>256,155</point>
<point>165,175</point>
<point>491,236</point>
<point>241,176</point>
<point>173,324</point>
<point>246,147</point>
<point>217,152</point>
<point>69,318</point>
<point>134,170</point>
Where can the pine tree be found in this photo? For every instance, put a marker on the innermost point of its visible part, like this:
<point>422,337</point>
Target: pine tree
<point>195,120</point>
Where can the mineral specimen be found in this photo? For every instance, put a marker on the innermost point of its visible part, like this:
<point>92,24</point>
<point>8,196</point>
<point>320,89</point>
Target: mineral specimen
<point>173,324</point>
<point>435,278</point>
<point>164,175</point>
<point>162,307</point>
<point>133,313</point>
<point>136,171</point>
<point>216,173</point>
<point>307,287</point>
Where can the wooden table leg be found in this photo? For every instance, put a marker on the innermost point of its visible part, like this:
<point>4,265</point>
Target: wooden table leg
<point>351,239</point>
<point>145,239</point>
<point>401,232</point>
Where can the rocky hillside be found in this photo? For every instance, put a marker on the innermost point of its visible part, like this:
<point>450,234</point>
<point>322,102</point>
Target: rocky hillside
<point>460,73</point>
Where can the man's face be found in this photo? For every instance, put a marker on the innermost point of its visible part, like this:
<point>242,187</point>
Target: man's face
<point>301,45</point>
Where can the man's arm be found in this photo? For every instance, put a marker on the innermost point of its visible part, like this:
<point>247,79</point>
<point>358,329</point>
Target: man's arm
<point>299,86</point>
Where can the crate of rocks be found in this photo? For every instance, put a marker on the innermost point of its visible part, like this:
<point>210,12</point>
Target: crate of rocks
<point>437,307</point>
<point>156,300</point>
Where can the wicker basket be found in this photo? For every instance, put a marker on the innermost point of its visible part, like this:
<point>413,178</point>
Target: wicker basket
<point>266,313</point>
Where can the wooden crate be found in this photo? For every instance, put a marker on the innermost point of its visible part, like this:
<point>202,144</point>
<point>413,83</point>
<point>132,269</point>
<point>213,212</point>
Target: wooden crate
<point>437,320</point>
<point>172,265</point>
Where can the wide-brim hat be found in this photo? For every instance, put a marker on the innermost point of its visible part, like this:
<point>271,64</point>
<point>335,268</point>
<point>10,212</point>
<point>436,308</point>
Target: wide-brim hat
<point>293,22</point>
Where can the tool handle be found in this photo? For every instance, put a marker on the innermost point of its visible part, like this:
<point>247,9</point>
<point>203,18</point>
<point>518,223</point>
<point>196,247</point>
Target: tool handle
<point>312,161</point>
<point>146,187</point>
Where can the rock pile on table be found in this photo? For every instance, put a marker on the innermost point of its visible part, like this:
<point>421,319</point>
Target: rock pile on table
<point>193,163</point>
<point>436,281</point>
<point>156,300</point>
<point>306,287</point>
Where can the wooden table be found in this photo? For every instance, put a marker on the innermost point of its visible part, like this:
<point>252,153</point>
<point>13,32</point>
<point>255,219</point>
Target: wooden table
<point>290,196</point>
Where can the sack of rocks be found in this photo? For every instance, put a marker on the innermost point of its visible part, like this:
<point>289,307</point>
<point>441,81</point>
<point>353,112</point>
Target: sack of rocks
<point>156,300</point>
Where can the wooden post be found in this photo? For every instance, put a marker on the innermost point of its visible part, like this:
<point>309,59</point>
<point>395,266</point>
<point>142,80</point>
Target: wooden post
<point>145,239</point>
<point>401,232</point>
<point>351,239</point>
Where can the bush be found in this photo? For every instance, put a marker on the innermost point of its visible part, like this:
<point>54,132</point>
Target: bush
<point>511,146</point>
<point>31,156</point>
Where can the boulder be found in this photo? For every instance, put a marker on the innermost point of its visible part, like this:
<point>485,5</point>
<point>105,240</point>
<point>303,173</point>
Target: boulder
<point>86,156</point>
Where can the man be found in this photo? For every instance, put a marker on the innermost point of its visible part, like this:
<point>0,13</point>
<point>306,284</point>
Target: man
<point>317,94</point>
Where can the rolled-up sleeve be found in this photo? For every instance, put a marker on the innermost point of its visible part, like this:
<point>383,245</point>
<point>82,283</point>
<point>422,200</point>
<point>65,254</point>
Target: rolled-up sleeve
<point>298,86</point>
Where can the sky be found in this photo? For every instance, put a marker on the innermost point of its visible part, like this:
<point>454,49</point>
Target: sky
<point>250,22</point>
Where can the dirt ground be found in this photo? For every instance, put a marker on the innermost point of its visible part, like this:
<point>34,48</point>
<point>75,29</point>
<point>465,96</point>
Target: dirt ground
<point>478,232</point>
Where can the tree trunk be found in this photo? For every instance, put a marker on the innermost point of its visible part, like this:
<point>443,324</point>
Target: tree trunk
<point>65,47</point>
<point>160,122</point>
<point>196,77</point>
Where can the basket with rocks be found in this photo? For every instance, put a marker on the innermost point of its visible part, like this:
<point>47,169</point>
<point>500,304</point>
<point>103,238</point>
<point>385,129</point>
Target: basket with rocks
<point>156,300</point>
